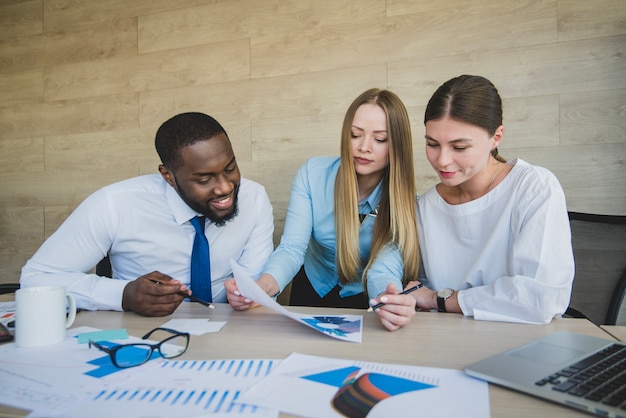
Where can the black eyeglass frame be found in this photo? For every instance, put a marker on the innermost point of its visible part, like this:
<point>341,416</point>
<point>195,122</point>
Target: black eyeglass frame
<point>111,351</point>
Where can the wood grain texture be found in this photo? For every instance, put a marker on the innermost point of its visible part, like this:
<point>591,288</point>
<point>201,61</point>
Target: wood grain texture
<point>86,84</point>
<point>537,70</point>
<point>91,114</point>
<point>13,255</point>
<point>168,69</point>
<point>23,155</point>
<point>580,19</point>
<point>76,151</point>
<point>73,14</point>
<point>23,223</point>
<point>210,23</point>
<point>395,38</point>
<point>20,18</point>
<point>598,119</point>
<point>55,188</point>
<point>22,86</point>
<point>96,42</point>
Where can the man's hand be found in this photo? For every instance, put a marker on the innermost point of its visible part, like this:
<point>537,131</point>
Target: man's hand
<point>398,309</point>
<point>153,294</point>
<point>241,303</point>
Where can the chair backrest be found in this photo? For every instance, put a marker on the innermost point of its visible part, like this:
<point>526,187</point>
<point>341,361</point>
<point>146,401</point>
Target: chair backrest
<point>599,243</point>
<point>6,288</point>
<point>103,268</point>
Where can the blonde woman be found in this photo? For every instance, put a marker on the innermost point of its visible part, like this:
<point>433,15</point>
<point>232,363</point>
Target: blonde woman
<point>351,229</point>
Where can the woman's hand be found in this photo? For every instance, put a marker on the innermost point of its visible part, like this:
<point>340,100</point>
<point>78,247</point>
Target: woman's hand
<point>397,311</point>
<point>236,300</point>
<point>241,303</point>
<point>426,300</point>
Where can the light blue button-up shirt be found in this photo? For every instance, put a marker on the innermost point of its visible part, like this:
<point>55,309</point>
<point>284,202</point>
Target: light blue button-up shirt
<point>309,236</point>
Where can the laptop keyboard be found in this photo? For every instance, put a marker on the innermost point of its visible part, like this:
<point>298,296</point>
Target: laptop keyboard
<point>600,377</point>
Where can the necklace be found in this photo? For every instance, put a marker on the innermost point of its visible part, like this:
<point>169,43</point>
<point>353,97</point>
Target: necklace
<point>494,176</point>
<point>493,179</point>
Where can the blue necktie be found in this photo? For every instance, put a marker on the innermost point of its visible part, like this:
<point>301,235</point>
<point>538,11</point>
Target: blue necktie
<point>200,263</point>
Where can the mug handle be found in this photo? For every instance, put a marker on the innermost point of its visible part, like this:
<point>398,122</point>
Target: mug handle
<point>71,314</point>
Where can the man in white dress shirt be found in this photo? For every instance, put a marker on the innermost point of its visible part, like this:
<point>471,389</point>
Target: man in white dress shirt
<point>143,225</point>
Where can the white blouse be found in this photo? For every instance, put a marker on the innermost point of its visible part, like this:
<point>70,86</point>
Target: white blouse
<point>508,253</point>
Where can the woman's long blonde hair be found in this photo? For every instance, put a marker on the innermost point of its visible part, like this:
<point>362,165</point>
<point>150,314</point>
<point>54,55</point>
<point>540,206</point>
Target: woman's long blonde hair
<point>396,222</point>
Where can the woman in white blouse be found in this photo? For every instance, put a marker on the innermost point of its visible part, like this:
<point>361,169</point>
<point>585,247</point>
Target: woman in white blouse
<point>494,235</point>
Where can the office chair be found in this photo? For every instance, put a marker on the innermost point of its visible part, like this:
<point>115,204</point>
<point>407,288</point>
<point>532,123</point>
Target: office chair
<point>103,268</point>
<point>6,288</point>
<point>599,243</point>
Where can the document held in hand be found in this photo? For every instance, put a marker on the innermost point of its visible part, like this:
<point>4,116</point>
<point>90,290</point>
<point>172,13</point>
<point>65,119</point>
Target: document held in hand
<point>343,327</point>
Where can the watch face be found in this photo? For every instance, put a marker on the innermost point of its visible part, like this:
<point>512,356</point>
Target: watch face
<point>445,293</point>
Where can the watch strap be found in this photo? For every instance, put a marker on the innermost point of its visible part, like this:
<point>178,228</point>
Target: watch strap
<point>441,304</point>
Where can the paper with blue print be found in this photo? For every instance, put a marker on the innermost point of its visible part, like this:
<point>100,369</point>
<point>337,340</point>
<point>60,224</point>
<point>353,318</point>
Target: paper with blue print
<point>343,327</point>
<point>323,387</point>
<point>48,379</point>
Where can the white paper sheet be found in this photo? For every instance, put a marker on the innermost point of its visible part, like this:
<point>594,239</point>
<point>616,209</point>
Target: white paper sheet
<point>7,312</point>
<point>182,388</point>
<point>342,327</point>
<point>48,379</point>
<point>71,380</point>
<point>305,385</point>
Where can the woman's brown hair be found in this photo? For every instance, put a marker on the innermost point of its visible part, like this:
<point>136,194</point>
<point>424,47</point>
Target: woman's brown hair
<point>468,98</point>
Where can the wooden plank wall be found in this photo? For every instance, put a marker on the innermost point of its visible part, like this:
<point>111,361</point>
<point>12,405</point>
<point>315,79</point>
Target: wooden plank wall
<point>86,83</point>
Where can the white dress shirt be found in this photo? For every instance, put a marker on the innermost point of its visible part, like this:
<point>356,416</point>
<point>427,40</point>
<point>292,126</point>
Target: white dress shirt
<point>508,253</point>
<point>144,226</point>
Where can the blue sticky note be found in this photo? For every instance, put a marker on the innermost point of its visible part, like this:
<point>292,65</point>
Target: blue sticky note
<point>111,334</point>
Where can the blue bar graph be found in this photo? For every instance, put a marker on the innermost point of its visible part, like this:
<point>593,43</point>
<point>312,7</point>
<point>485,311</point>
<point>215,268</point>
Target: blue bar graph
<point>187,387</point>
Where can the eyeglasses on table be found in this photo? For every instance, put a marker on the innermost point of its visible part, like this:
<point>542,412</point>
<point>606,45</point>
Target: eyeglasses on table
<point>173,345</point>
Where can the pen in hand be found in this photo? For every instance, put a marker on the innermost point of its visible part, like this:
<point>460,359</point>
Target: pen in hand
<point>190,297</point>
<point>195,299</point>
<point>405,292</point>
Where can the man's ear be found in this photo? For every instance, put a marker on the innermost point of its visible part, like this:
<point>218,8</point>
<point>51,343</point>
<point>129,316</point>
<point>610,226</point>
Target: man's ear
<point>167,175</point>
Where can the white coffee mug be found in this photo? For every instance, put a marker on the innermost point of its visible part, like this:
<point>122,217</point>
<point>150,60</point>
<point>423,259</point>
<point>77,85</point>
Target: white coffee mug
<point>42,315</point>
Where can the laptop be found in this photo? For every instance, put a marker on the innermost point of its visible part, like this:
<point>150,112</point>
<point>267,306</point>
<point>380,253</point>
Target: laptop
<point>561,367</point>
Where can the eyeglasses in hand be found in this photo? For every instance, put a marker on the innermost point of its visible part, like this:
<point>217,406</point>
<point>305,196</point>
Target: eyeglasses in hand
<point>135,354</point>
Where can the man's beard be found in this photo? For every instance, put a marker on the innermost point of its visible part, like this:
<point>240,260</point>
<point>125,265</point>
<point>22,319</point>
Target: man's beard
<point>221,220</point>
<point>207,211</point>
